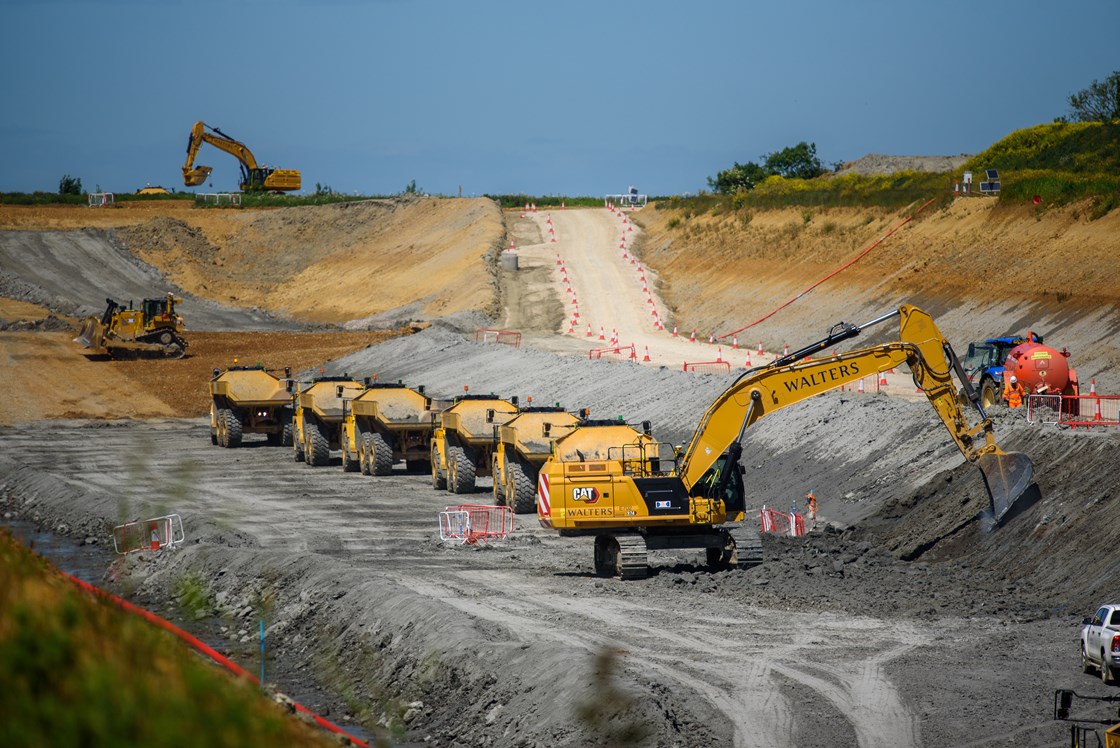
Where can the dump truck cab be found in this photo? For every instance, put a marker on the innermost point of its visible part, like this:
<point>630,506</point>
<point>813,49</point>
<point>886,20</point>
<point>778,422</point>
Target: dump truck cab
<point>317,416</point>
<point>250,400</point>
<point>387,422</point>
<point>463,442</point>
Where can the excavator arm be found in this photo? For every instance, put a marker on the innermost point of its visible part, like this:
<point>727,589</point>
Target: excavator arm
<point>791,379</point>
<point>253,175</point>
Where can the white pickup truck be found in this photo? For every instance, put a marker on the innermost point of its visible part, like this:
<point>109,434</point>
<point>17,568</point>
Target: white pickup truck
<point>1100,642</point>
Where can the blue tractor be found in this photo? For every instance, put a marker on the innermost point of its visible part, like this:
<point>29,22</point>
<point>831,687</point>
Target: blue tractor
<point>983,364</point>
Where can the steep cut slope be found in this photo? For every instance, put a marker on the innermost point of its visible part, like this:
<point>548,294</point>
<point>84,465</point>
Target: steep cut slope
<point>981,269</point>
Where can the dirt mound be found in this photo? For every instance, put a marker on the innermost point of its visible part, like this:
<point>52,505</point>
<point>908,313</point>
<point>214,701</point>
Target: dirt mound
<point>877,163</point>
<point>418,258</point>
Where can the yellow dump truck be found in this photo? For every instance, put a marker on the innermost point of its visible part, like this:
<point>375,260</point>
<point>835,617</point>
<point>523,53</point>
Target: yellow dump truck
<point>384,424</point>
<point>464,440</point>
<point>250,400</point>
<point>523,446</point>
<point>317,416</point>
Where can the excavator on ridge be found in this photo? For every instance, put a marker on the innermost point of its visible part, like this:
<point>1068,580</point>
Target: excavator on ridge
<point>254,177</point>
<point>633,499</point>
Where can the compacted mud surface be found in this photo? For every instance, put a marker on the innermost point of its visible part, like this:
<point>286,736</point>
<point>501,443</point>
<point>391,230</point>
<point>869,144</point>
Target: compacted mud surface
<point>902,619</point>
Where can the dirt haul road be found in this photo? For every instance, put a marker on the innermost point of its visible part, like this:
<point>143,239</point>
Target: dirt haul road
<point>914,628</point>
<point>583,262</point>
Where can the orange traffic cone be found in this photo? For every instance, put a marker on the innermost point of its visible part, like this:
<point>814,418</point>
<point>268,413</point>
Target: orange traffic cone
<point>675,331</point>
<point>760,348</point>
<point>883,379</point>
<point>1093,386</point>
<point>589,333</point>
<point>734,342</point>
<point>748,364</point>
<point>719,355</point>
<point>712,338</point>
<point>602,333</point>
<point>646,357</point>
<point>860,388</point>
<point>785,350</point>
<point>692,337</point>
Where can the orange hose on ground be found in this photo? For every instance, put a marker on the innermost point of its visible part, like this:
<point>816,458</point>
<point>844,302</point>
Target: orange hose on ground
<point>205,648</point>
<point>834,273</point>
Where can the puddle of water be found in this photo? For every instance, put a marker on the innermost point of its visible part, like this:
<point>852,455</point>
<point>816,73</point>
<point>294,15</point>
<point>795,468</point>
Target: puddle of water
<point>86,562</point>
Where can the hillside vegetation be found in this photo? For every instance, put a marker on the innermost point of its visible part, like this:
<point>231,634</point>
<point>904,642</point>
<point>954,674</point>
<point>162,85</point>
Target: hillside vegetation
<point>78,672</point>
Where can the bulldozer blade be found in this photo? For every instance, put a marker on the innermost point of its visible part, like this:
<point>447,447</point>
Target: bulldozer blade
<point>85,335</point>
<point>1008,476</point>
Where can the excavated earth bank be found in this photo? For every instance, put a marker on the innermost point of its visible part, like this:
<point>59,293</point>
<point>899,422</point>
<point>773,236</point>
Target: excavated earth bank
<point>902,621</point>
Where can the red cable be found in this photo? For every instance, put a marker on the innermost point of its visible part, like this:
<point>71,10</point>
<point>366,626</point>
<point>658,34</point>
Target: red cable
<point>835,272</point>
<point>206,649</point>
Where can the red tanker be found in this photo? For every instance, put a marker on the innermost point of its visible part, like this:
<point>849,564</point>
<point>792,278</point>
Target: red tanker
<point>1041,369</point>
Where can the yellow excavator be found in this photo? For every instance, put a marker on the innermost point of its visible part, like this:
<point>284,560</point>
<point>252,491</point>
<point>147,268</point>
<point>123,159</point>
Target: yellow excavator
<point>254,177</point>
<point>632,501</point>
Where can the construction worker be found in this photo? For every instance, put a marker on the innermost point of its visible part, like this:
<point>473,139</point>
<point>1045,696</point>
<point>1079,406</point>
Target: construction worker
<point>811,500</point>
<point>1013,393</point>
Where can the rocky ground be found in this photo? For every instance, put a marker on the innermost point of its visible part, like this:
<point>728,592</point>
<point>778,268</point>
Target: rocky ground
<point>902,620</point>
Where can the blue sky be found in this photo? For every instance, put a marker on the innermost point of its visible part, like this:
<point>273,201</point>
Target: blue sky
<point>577,98</point>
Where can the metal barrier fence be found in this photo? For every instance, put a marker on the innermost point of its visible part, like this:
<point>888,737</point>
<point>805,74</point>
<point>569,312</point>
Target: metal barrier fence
<point>502,337</point>
<point>100,199</point>
<point>613,350</point>
<point>470,523</point>
<point>708,367</point>
<point>233,199</point>
<point>782,523</point>
<point>151,534</point>
<point>1074,410</point>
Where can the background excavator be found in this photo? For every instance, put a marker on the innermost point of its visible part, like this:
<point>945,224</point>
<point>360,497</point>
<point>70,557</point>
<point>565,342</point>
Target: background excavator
<point>254,177</point>
<point>635,500</point>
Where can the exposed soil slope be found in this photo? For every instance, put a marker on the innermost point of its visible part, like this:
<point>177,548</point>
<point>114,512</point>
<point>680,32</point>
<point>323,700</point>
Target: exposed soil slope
<point>981,270</point>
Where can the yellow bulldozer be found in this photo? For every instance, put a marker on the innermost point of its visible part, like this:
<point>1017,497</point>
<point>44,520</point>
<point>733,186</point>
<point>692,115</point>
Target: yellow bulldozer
<point>152,331</point>
<point>633,501</point>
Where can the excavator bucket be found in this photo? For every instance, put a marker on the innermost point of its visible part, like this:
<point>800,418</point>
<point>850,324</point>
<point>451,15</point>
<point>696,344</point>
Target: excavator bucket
<point>196,176</point>
<point>1008,476</point>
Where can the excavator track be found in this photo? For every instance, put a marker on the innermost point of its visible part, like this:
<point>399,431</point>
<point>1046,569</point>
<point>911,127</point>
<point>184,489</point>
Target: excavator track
<point>748,546</point>
<point>633,557</point>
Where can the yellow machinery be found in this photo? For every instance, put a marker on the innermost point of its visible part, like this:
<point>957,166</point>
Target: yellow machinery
<point>317,416</point>
<point>154,330</point>
<point>464,440</point>
<point>635,501</point>
<point>524,444</point>
<point>254,177</point>
<point>249,400</point>
<point>386,423</point>
<point>1081,734</point>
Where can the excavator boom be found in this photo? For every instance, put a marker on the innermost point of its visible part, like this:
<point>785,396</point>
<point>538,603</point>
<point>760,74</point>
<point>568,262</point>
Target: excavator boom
<point>791,379</point>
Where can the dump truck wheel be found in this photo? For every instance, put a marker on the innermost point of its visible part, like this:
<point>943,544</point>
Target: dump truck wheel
<point>221,428</point>
<point>233,429</point>
<point>521,493</point>
<point>380,456</point>
<point>286,434</point>
<point>318,448</point>
<point>363,454</point>
<point>439,482</point>
<point>460,477</point>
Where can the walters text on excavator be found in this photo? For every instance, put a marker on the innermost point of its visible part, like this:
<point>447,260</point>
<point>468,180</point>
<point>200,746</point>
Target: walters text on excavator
<point>635,500</point>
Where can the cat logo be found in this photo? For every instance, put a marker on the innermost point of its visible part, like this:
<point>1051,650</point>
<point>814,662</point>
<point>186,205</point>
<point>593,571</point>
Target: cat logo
<point>590,494</point>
